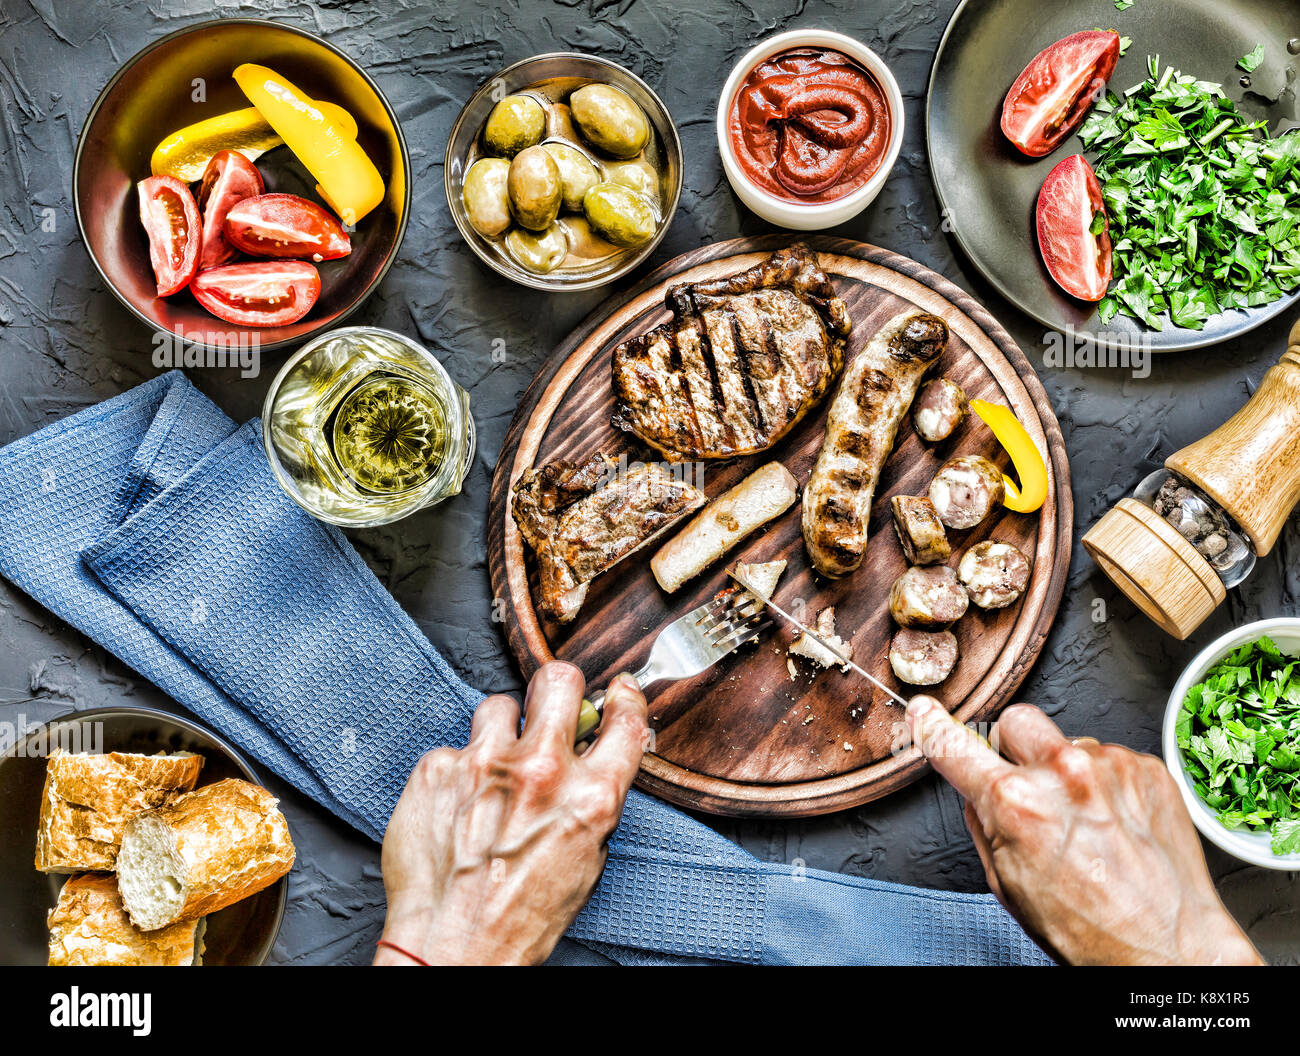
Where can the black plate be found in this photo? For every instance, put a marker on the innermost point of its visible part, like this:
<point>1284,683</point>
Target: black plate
<point>987,189</point>
<point>240,934</point>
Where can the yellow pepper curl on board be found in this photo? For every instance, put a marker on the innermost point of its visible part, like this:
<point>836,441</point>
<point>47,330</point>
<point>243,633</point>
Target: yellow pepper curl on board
<point>1031,492</point>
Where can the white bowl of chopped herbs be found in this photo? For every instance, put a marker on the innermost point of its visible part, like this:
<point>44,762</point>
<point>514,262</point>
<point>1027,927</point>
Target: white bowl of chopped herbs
<point>1232,742</point>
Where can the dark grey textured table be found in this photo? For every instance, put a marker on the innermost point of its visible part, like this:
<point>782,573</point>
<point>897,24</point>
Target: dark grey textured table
<point>65,343</point>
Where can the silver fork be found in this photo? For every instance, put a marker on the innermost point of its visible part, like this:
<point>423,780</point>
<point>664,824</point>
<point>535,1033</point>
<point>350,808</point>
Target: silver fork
<point>690,645</point>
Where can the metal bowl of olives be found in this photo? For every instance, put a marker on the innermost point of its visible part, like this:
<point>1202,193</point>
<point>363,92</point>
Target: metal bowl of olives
<point>563,171</point>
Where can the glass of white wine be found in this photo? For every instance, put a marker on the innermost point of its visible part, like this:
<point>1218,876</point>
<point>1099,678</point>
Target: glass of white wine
<point>363,426</point>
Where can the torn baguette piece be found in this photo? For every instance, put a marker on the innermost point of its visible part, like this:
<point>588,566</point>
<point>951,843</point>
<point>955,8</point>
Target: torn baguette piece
<point>207,850</point>
<point>761,575</point>
<point>88,798</point>
<point>762,496</point>
<point>90,927</point>
<point>813,650</point>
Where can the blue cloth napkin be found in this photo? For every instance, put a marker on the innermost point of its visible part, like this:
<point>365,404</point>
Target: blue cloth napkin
<point>152,523</point>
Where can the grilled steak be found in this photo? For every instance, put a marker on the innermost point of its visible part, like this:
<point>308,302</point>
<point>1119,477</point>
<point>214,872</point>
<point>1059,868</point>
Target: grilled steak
<point>741,361</point>
<point>582,519</point>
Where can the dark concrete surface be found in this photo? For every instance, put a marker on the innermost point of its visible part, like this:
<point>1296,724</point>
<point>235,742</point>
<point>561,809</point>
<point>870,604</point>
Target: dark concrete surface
<point>66,343</point>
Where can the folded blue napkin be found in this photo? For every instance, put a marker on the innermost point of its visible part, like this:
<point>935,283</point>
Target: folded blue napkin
<point>152,523</point>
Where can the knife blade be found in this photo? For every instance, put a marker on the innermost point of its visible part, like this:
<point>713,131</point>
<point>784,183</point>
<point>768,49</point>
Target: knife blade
<point>844,660</point>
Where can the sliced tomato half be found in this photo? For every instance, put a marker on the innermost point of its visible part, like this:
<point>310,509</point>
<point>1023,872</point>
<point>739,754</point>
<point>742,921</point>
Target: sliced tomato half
<point>258,293</point>
<point>1070,209</point>
<point>284,225</point>
<point>171,220</point>
<point>229,178</point>
<point>1057,88</point>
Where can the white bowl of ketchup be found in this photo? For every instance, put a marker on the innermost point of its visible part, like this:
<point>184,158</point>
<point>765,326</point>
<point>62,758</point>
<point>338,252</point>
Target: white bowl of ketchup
<point>800,176</point>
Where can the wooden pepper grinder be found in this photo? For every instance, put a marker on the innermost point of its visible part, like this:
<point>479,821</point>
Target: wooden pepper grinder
<point>1194,529</point>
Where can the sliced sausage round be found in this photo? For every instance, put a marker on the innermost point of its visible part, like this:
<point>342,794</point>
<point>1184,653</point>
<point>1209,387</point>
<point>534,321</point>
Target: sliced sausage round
<point>994,574</point>
<point>919,530</point>
<point>929,598</point>
<point>923,658</point>
<point>939,409</point>
<point>965,489</point>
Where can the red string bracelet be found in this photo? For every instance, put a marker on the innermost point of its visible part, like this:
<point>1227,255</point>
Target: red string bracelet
<point>405,953</point>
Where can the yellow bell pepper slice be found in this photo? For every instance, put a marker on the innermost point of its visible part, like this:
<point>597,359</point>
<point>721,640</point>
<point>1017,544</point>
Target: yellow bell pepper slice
<point>348,179</point>
<point>1031,492</point>
<point>186,152</point>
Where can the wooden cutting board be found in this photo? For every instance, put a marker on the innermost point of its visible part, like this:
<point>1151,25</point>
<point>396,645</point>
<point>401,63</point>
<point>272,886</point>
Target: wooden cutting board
<point>745,738</point>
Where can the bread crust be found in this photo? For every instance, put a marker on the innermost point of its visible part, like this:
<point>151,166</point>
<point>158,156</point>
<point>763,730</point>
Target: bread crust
<point>89,926</point>
<point>87,800</point>
<point>229,840</point>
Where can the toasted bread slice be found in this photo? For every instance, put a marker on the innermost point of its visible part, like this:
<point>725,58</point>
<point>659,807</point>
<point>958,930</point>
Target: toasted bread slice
<point>762,496</point>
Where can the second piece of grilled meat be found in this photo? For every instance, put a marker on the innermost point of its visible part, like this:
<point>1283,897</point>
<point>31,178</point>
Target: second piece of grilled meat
<point>739,364</point>
<point>582,519</point>
<point>877,389</point>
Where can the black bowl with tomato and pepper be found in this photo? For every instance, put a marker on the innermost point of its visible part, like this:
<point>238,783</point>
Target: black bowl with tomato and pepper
<point>232,284</point>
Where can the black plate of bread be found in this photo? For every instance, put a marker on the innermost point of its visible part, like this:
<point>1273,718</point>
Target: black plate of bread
<point>130,836</point>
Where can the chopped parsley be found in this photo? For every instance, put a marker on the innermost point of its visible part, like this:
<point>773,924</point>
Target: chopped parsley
<point>1251,62</point>
<point>1124,42</point>
<point>1239,734</point>
<point>1204,207</point>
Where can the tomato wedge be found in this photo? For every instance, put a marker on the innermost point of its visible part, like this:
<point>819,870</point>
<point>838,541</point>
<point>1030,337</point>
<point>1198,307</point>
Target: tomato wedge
<point>229,178</point>
<point>259,293</point>
<point>1057,89</point>
<point>284,225</point>
<point>171,220</point>
<point>1070,209</point>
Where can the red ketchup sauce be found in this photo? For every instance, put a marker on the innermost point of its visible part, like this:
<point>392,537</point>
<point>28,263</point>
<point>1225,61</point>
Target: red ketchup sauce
<point>809,125</point>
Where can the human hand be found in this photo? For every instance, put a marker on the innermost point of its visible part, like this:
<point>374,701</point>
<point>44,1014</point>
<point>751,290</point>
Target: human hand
<point>1088,845</point>
<point>493,850</point>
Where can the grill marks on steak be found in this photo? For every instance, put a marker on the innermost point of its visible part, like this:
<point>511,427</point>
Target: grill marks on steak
<point>740,363</point>
<point>582,519</point>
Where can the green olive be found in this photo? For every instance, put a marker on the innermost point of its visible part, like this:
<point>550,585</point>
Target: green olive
<point>487,204</point>
<point>609,119</point>
<point>516,122</point>
<point>638,174</point>
<point>535,189</point>
<point>585,246</point>
<point>577,173</point>
<point>619,215</point>
<point>559,123</point>
<point>539,252</point>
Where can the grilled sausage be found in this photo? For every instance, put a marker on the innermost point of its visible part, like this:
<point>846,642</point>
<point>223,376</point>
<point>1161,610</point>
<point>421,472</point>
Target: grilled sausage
<point>994,574</point>
<point>875,393</point>
<point>965,489</point>
<point>929,598</point>
<point>919,530</point>
<point>940,408</point>
<point>923,658</point>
